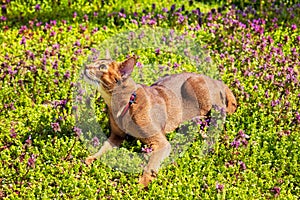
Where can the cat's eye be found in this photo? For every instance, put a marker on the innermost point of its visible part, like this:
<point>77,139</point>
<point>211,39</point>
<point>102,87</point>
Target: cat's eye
<point>102,67</point>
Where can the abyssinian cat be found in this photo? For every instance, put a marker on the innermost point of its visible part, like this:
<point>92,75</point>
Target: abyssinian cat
<point>149,112</point>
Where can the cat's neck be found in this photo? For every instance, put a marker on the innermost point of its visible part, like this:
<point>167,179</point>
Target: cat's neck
<point>125,88</point>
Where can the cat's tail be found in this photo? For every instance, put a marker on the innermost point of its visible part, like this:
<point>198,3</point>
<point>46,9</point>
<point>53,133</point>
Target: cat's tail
<point>231,104</point>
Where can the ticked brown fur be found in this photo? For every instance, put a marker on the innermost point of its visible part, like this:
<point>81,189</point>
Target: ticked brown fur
<point>158,109</point>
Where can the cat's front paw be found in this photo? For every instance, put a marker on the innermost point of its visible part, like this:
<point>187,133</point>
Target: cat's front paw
<point>147,178</point>
<point>89,160</point>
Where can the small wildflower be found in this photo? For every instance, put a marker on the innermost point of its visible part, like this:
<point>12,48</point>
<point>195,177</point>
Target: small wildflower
<point>53,22</point>
<point>245,143</point>
<point>95,141</point>
<point>95,30</point>
<point>147,149</point>
<point>276,191</point>
<point>235,143</point>
<point>3,8</point>
<point>37,7</point>
<point>13,133</point>
<point>293,27</point>
<point>67,75</point>
<point>157,51</point>
<point>52,33</point>
<point>31,161</point>
<point>138,64</point>
<point>173,8</point>
<point>29,141</point>
<point>86,17</point>
<point>176,65</point>
<point>165,10</point>
<point>242,165</point>
<point>55,126</point>
<point>242,134</point>
<point>122,15</point>
<point>219,187</point>
<point>3,18</point>
<point>23,40</point>
<point>77,131</point>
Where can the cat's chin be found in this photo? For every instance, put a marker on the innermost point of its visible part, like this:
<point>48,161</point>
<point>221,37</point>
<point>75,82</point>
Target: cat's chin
<point>91,81</point>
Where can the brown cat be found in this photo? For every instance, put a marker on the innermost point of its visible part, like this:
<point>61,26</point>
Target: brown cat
<point>149,112</point>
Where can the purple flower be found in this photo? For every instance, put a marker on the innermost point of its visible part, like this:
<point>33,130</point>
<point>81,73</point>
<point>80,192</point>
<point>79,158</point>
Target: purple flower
<point>153,6</point>
<point>52,33</point>
<point>31,161</point>
<point>122,15</point>
<point>55,46</point>
<point>219,187</point>
<point>293,27</point>
<point>267,94</point>
<point>3,18</point>
<point>11,71</point>
<point>276,191</point>
<point>37,7</point>
<point>82,28</point>
<point>134,22</point>
<point>95,30</point>
<point>77,43</point>
<point>245,143</point>
<point>55,126</point>
<point>147,149</point>
<point>181,18</point>
<point>242,165</point>
<point>297,117</point>
<point>157,51</point>
<point>77,131</point>
<point>95,14</point>
<point>176,65</point>
<point>13,133</point>
<point>70,28</point>
<point>3,8</point>
<point>152,22</point>
<point>165,10</point>
<point>33,69</point>
<point>95,141</point>
<point>85,17</point>
<point>23,40</point>
<point>74,14</point>
<point>78,51</point>
<point>75,108</point>
<point>55,65</point>
<point>173,8</point>
<point>138,64</point>
<point>235,143</point>
<point>67,75</point>
<point>56,73</point>
<point>160,16</point>
<point>29,141</point>
<point>242,134</point>
<point>53,22</point>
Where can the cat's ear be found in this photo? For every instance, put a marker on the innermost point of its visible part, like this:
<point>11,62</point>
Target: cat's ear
<point>107,55</point>
<point>126,67</point>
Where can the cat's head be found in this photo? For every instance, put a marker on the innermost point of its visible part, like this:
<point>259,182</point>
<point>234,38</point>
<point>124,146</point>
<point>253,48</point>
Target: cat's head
<point>106,73</point>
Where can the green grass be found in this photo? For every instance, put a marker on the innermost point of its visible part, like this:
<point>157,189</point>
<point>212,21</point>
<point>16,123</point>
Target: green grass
<point>39,162</point>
